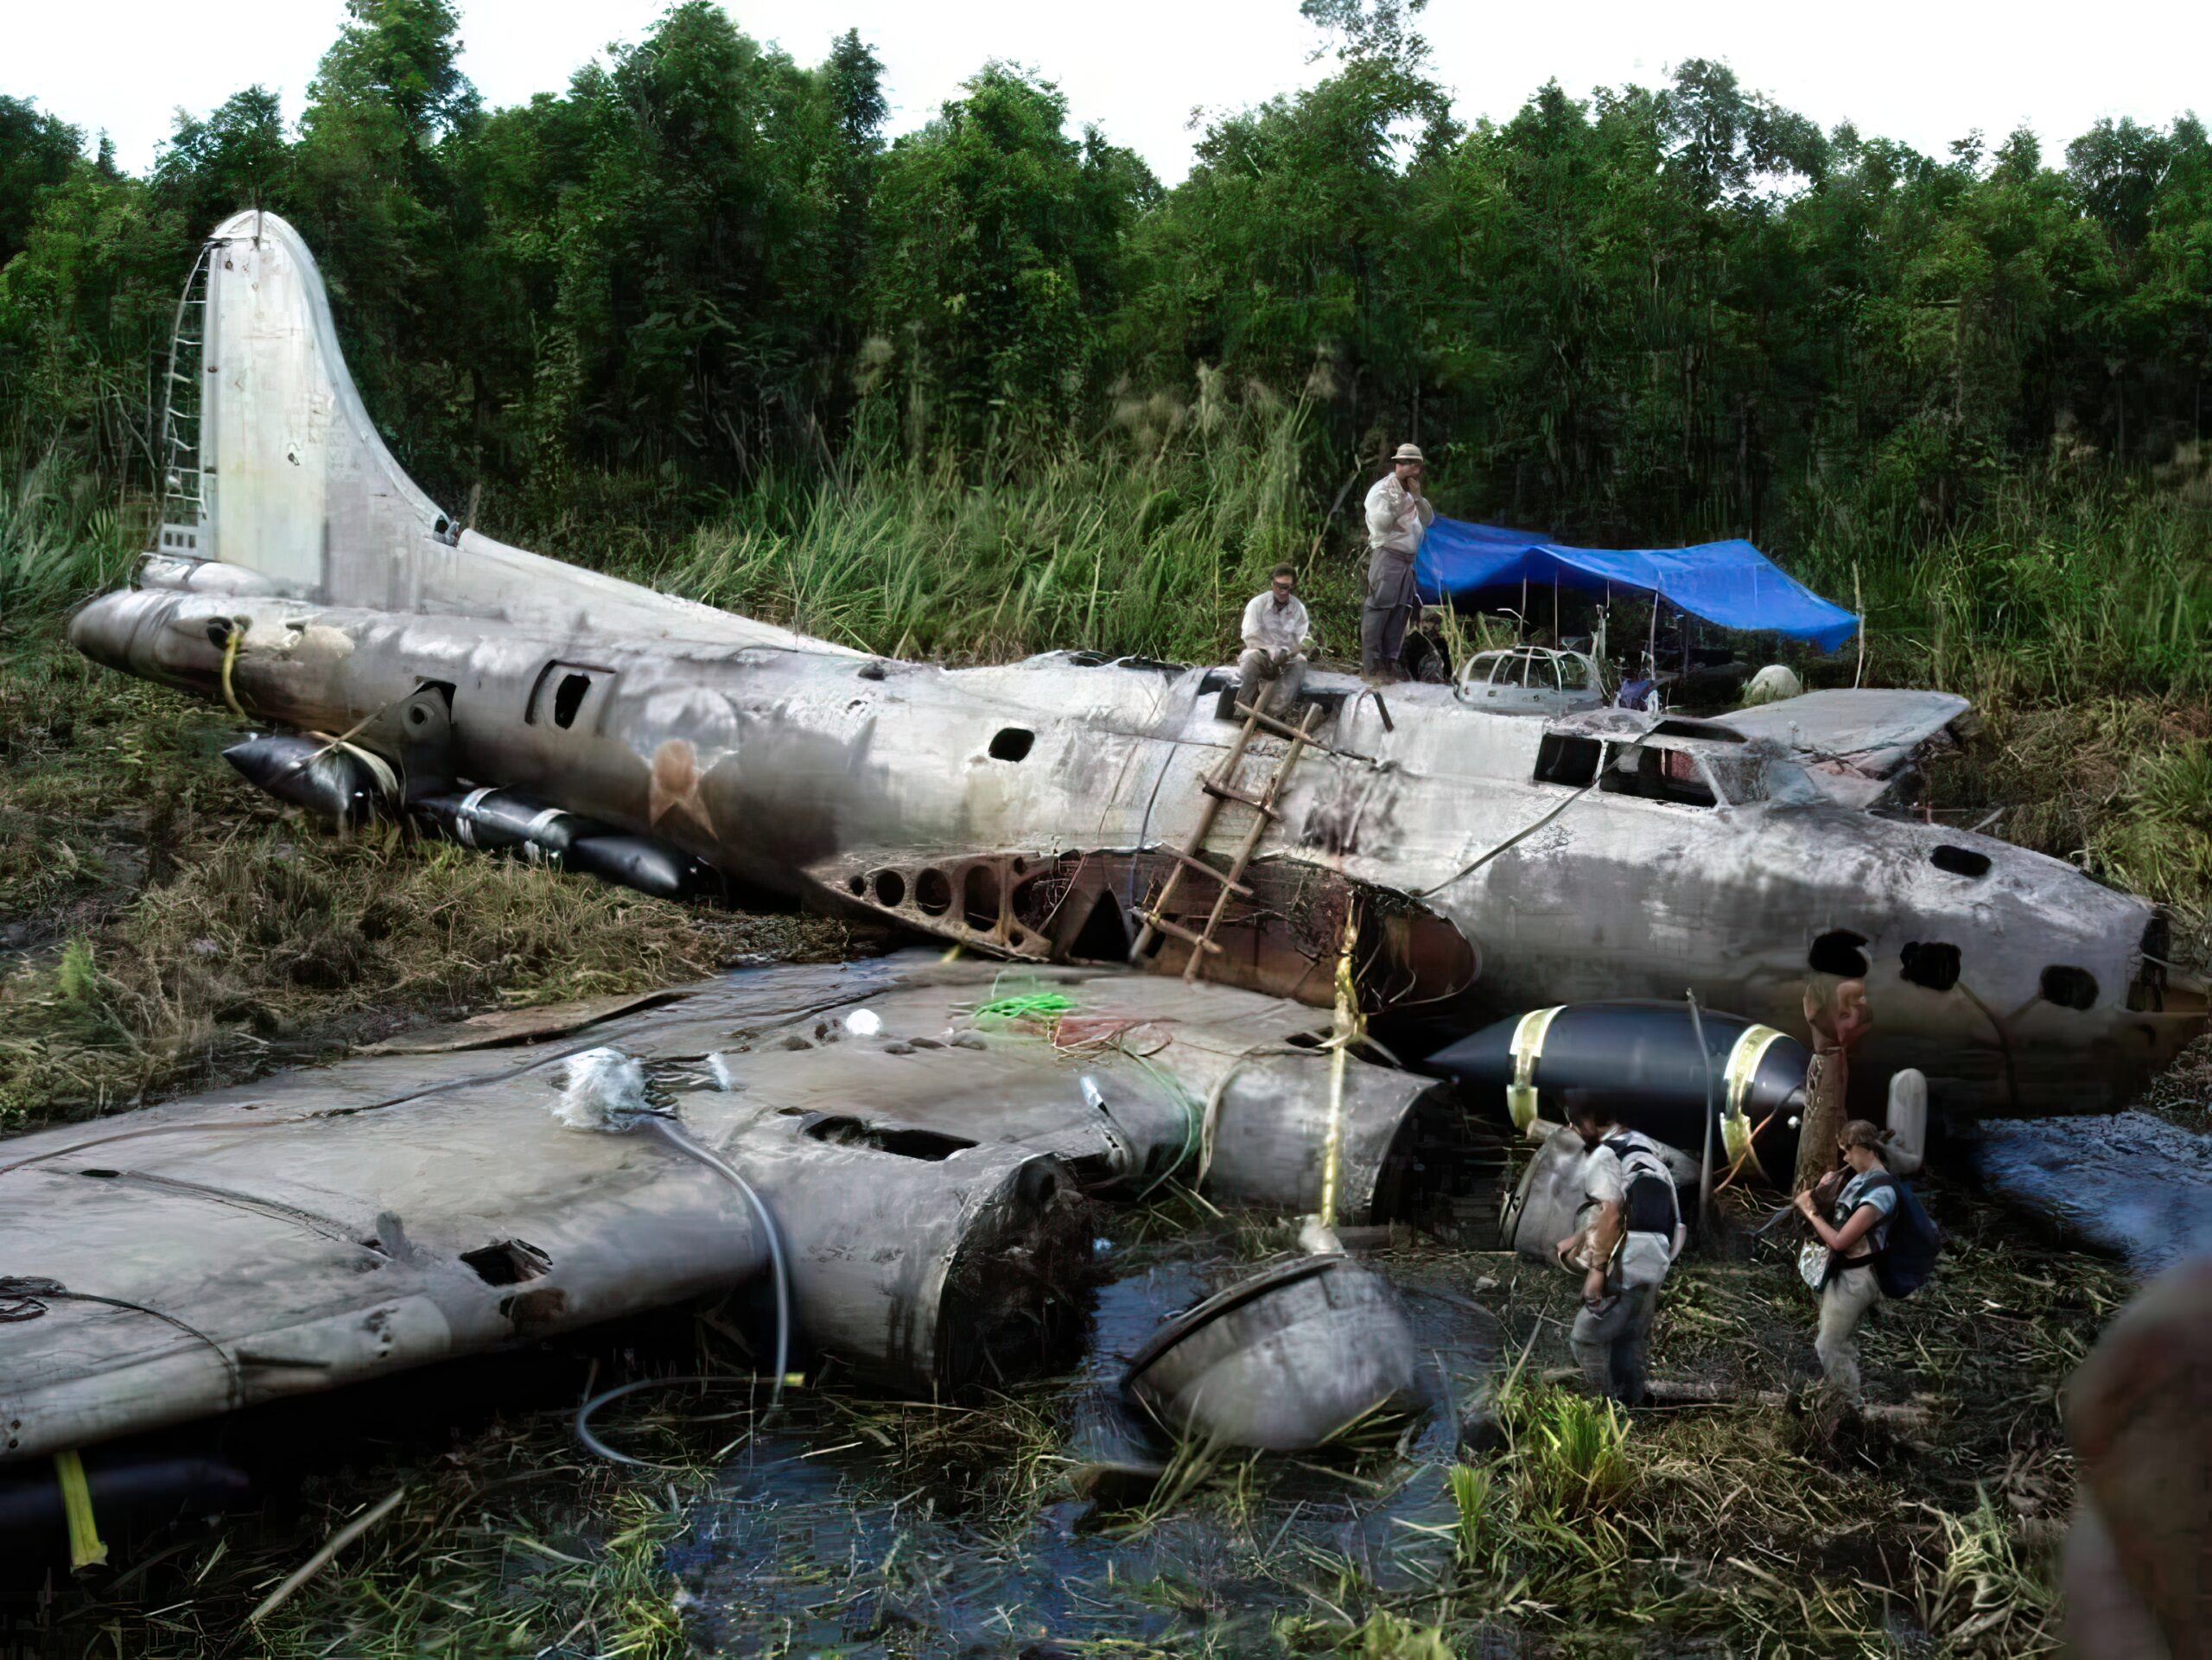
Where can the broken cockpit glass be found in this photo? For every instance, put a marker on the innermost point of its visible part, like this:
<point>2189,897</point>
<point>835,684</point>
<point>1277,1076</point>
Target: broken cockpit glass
<point>1700,776</point>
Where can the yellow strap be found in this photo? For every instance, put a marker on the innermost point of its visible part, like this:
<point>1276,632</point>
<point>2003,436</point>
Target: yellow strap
<point>1527,1048</point>
<point>85,1550</point>
<point>1349,1028</point>
<point>231,640</point>
<point>1743,1065</point>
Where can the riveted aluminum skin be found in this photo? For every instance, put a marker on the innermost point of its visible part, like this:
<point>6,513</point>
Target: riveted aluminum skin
<point>926,1166</point>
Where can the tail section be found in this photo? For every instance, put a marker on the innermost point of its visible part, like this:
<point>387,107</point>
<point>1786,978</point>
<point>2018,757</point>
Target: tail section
<point>277,482</point>
<point>292,481</point>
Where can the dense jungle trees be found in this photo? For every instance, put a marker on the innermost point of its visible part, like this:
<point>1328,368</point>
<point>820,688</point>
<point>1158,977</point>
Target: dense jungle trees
<point>1666,311</point>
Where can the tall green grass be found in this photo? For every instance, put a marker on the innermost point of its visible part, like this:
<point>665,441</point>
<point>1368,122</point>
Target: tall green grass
<point>2076,614</point>
<point>61,534</point>
<point>2054,590</point>
<point>1148,542</point>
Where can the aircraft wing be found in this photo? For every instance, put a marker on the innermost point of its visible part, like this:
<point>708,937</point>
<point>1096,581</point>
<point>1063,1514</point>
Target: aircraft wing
<point>924,1156</point>
<point>1872,732</point>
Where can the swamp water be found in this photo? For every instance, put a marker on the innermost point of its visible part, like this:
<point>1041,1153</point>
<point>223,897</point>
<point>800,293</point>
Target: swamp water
<point>2131,1182</point>
<point>859,1527</point>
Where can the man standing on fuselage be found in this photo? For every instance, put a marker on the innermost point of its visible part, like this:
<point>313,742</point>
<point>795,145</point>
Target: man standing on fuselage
<point>1398,518</point>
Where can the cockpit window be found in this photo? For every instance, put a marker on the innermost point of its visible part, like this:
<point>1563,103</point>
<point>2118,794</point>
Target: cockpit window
<point>1562,758</point>
<point>1656,774</point>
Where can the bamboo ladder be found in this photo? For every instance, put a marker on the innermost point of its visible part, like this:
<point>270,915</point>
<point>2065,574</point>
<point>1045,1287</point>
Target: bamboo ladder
<point>1220,790</point>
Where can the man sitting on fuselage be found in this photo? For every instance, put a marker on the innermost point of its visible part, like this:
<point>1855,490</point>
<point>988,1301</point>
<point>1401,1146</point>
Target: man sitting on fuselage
<point>1273,667</point>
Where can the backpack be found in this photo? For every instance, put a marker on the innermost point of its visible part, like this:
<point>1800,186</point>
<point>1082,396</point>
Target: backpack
<point>1649,1203</point>
<point>1903,1265</point>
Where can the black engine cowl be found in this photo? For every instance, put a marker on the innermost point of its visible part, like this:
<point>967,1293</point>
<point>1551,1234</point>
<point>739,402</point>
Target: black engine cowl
<point>1646,1055</point>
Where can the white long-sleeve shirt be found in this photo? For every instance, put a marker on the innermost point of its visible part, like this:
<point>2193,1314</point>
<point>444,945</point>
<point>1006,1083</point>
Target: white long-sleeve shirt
<point>1397,520</point>
<point>1271,627</point>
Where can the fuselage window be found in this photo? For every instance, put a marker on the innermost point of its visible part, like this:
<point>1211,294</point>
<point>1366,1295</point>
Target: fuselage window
<point>561,692</point>
<point>1562,759</point>
<point>569,698</point>
<point>1657,775</point>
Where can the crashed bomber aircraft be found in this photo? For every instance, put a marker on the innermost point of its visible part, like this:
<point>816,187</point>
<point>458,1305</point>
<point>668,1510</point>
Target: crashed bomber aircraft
<point>1496,862</point>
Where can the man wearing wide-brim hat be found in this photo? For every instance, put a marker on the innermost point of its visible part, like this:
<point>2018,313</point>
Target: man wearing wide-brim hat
<point>1398,518</point>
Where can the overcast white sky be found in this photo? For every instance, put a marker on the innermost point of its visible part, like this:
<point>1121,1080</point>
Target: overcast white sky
<point>1922,71</point>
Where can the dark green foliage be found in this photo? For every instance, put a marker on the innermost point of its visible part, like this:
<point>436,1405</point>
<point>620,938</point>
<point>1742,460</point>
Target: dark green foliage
<point>237,157</point>
<point>1661,312</point>
<point>997,257</point>
<point>36,153</point>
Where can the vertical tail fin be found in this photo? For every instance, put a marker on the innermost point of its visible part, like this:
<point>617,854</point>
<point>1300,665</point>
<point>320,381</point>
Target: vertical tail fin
<point>277,480</point>
<point>275,465</point>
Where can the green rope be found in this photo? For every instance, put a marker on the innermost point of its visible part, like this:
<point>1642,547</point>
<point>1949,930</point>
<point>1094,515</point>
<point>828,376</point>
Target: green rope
<point>1039,1006</point>
<point>1193,1123</point>
<point>1043,1008</point>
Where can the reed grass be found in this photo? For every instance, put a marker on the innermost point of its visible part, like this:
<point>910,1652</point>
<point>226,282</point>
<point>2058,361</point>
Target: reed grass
<point>1142,545</point>
<point>2056,589</point>
<point>62,536</point>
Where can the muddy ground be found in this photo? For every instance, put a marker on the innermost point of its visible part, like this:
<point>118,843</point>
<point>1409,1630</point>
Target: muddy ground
<point>162,927</point>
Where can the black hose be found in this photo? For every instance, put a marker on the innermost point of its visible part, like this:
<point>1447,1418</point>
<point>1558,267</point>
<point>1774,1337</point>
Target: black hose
<point>25,1297</point>
<point>677,1137</point>
<point>593,1444</point>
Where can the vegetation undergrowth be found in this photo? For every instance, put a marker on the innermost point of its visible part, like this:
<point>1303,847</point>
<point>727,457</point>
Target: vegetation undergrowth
<point>1147,543</point>
<point>1764,1520</point>
<point>2076,614</point>
<point>61,535</point>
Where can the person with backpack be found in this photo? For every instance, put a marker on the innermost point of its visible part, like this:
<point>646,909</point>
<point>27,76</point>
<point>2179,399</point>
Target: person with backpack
<point>1632,1237</point>
<point>1861,1269</point>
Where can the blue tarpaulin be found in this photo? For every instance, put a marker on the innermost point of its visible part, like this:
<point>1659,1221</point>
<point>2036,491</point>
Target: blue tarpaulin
<point>1732,583</point>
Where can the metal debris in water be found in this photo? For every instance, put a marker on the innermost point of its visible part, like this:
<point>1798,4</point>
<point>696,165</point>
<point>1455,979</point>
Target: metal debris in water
<point>1286,1361</point>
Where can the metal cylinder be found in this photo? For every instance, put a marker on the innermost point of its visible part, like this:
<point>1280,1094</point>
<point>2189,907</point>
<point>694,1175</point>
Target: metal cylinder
<point>1645,1056</point>
<point>923,1261</point>
<point>338,783</point>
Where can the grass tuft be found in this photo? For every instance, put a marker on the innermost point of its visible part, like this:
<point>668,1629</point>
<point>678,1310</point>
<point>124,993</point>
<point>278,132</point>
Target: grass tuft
<point>1986,1594</point>
<point>1578,1451</point>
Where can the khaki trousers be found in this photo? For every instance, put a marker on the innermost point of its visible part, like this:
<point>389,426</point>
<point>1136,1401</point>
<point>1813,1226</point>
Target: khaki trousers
<point>1612,1342</point>
<point>1269,686</point>
<point>1844,1301</point>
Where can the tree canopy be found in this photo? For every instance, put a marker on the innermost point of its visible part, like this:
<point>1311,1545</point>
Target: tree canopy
<point>1672,310</point>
